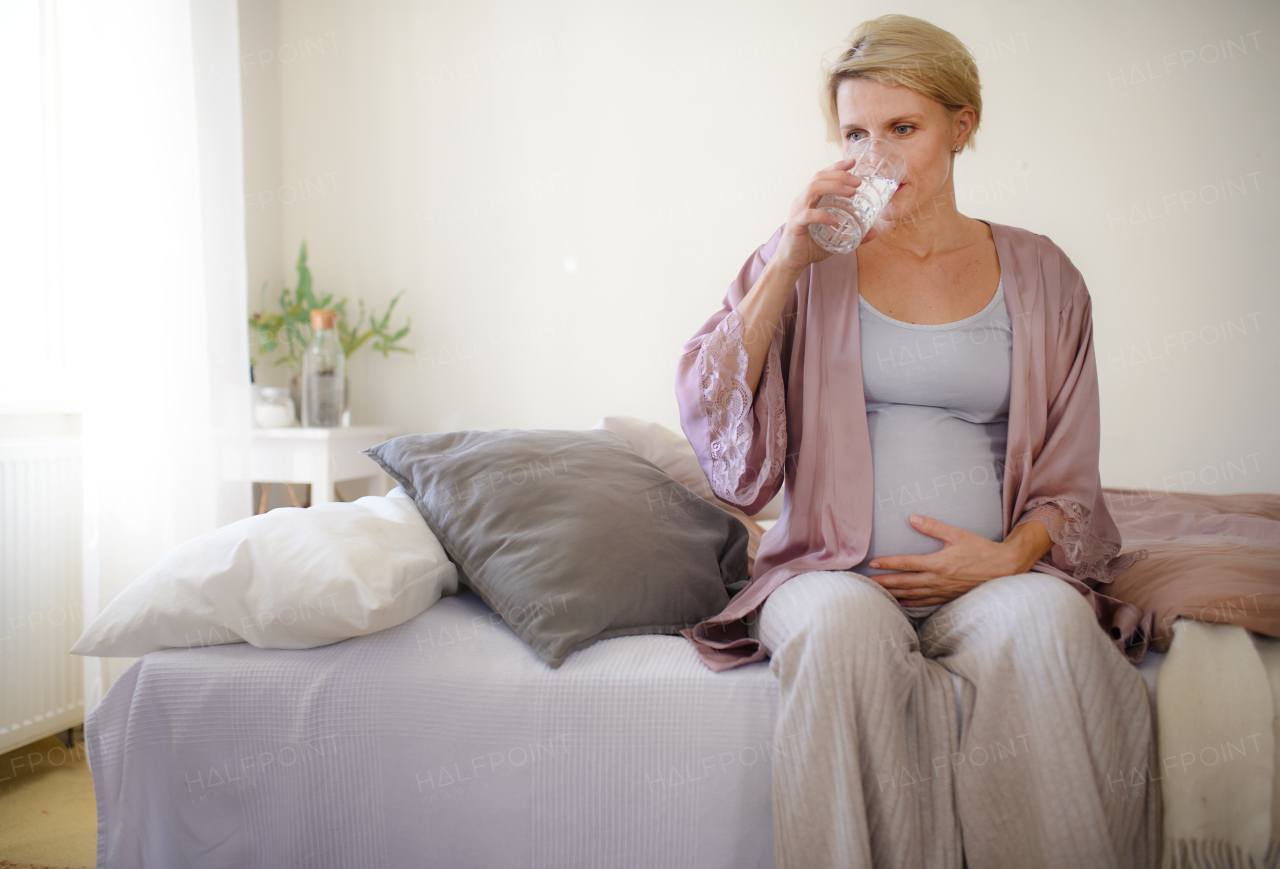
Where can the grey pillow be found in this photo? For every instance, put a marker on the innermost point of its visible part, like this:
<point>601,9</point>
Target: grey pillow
<point>570,536</point>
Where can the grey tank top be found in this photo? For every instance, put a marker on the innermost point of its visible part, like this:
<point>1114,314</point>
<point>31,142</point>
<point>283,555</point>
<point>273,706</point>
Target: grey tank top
<point>938,413</point>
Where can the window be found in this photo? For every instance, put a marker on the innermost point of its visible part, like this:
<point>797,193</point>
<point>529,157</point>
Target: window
<point>35,366</point>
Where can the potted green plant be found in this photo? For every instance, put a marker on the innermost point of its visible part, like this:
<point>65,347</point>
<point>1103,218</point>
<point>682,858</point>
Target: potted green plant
<point>288,332</point>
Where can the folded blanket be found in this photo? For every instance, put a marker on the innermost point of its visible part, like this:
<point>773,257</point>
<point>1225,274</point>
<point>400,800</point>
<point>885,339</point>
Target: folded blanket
<point>1216,772</point>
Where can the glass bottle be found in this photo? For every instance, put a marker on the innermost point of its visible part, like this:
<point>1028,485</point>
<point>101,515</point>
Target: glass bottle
<point>324,381</point>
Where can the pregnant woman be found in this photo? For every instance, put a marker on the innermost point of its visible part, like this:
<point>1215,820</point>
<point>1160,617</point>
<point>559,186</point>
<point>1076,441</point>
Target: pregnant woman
<point>953,686</point>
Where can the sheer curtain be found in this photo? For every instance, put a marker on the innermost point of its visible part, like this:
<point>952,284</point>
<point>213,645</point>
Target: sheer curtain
<point>153,269</point>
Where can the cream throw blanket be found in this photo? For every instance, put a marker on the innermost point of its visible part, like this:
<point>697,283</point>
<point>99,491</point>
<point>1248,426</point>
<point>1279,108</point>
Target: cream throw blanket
<point>1216,700</point>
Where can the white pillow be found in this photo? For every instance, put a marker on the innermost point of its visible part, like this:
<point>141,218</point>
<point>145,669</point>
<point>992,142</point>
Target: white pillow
<point>292,578</point>
<point>672,452</point>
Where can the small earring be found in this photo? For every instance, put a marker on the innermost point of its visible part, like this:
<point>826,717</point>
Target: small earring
<point>955,150</point>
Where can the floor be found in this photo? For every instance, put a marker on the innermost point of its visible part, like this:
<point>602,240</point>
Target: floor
<point>48,815</point>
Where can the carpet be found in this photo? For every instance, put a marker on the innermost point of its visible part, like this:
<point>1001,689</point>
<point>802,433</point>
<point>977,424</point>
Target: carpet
<point>48,815</point>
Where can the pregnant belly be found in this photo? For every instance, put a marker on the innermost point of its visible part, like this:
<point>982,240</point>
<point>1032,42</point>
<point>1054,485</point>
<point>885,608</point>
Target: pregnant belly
<point>930,463</point>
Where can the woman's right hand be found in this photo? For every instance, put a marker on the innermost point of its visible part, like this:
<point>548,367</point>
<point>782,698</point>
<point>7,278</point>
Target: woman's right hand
<point>763,304</point>
<point>797,250</point>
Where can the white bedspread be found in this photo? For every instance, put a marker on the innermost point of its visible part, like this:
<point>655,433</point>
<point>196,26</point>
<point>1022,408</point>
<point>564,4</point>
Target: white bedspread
<point>442,742</point>
<point>447,742</point>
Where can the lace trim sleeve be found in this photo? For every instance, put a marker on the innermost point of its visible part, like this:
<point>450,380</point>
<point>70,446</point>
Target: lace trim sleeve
<point>731,414</point>
<point>1087,556</point>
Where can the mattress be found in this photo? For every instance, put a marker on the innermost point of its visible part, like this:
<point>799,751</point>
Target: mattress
<point>442,742</point>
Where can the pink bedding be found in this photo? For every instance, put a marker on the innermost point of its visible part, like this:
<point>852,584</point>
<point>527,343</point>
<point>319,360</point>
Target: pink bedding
<point>1213,558</point>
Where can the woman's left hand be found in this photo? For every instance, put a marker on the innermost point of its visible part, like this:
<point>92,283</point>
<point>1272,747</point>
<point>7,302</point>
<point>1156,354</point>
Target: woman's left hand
<point>965,561</point>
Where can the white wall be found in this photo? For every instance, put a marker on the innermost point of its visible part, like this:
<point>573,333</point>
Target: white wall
<point>567,188</point>
<point>260,101</point>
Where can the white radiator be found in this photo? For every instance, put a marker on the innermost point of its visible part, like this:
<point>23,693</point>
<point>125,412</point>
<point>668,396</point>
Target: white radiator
<point>41,684</point>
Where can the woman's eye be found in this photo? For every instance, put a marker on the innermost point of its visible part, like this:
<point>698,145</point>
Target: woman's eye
<point>902,127</point>
<point>853,135</point>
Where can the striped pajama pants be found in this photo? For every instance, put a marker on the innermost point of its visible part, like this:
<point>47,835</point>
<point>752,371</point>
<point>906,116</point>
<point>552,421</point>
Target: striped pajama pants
<point>1000,731</point>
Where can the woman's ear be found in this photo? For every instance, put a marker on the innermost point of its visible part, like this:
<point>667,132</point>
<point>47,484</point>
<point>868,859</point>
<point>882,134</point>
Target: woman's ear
<point>963,121</point>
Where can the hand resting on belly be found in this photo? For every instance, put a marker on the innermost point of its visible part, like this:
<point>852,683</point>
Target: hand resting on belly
<point>965,561</point>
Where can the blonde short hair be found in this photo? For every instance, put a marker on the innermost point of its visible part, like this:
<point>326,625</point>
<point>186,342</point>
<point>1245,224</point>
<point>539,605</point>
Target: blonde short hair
<point>901,50</point>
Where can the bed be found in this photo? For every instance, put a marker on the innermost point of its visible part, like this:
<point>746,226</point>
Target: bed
<point>446,741</point>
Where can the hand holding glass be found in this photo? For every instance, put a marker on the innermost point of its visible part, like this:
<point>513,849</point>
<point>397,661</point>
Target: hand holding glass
<point>881,167</point>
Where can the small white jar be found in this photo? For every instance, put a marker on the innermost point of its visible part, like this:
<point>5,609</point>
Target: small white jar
<point>274,408</point>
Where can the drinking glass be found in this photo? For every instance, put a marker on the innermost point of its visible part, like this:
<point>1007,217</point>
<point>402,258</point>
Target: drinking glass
<point>881,167</point>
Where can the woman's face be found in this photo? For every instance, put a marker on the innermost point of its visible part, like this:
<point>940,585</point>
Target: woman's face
<point>922,129</point>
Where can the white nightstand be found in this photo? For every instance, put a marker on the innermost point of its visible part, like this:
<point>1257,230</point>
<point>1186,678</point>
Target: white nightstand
<point>319,456</point>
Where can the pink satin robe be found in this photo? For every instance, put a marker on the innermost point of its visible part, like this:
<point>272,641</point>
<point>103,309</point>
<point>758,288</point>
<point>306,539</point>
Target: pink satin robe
<point>805,430</point>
